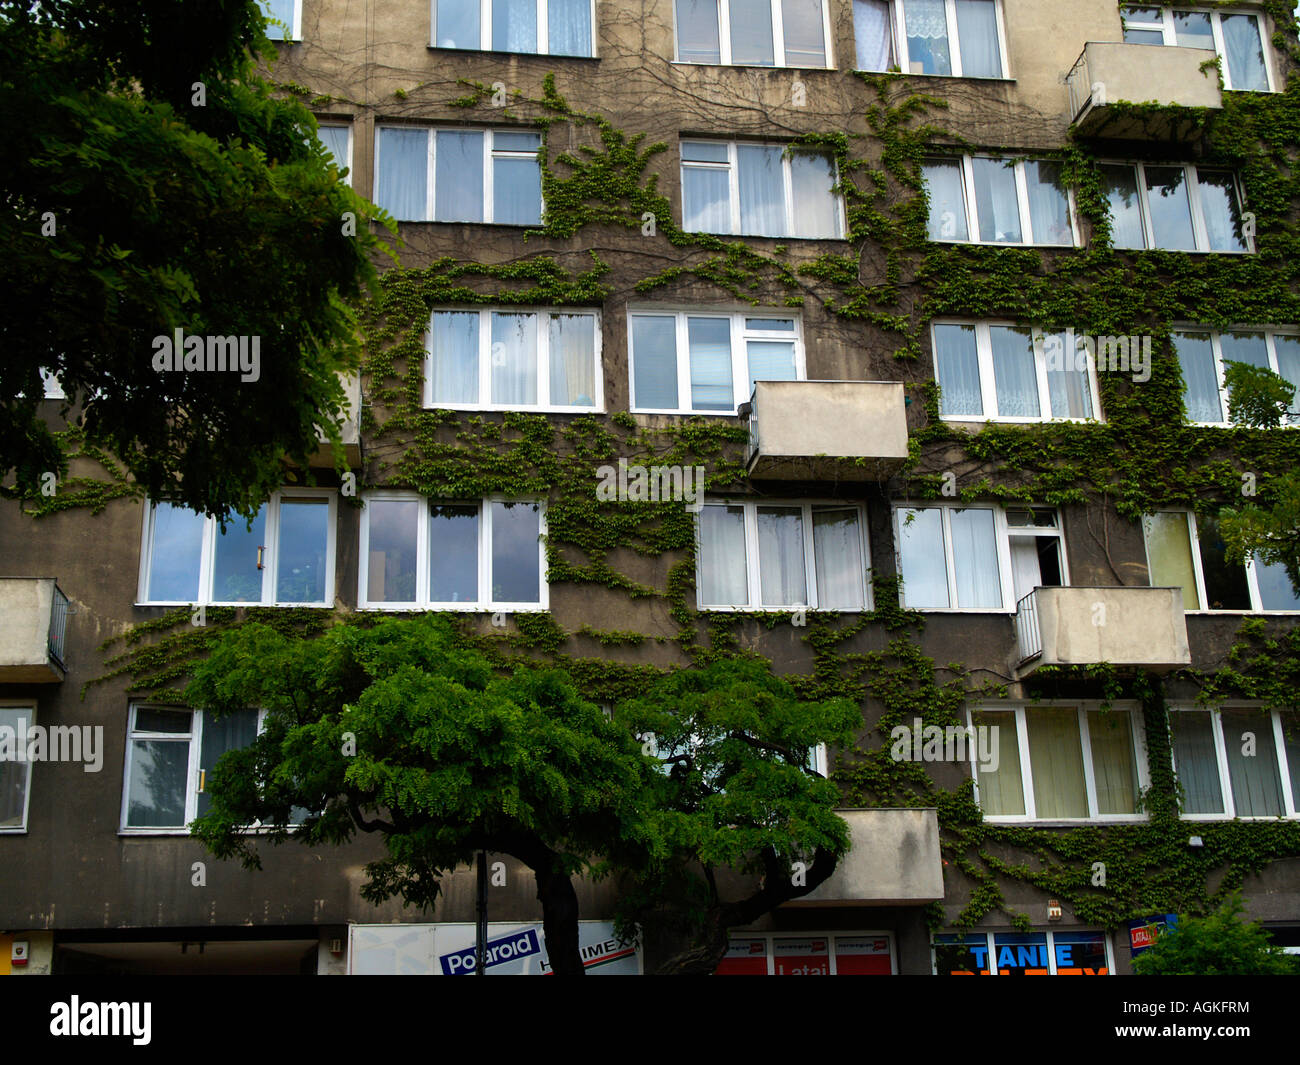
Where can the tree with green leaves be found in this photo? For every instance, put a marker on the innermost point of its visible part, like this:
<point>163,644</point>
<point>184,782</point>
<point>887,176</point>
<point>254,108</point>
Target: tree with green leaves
<point>154,182</point>
<point>400,729</point>
<point>1221,944</point>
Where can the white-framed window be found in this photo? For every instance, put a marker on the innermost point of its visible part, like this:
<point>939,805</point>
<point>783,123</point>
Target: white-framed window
<point>15,775</point>
<point>759,190</point>
<point>509,359</point>
<point>1186,550</point>
<point>981,200</point>
<point>288,19</point>
<point>535,27</point>
<point>1057,763</point>
<point>706,363</point>
<point>1202,353</point>
<point>285,559</point>
<point>778,556</point>
<point>337,138</point>
<point>1235,35</point>
<point>423,554</point>
<point>998,371</point>
<point>169,753</point>
<point>951,38</point>
<point>459,175</point>
<point>1174,206</point>
<point>809,954</point>
<point>1055,953</point>
<point>763,33</point>
<point>976,557</point>
<point>1236,761</point>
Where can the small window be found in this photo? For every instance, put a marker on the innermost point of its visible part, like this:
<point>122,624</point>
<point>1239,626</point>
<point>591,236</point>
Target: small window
<point>338,142</point>
<point>1175,207</point>
<point>765,33</point>
<point>1235,36</point>
<point>782,556</point>
<point>15,775</point>
<point>285,19</point>
<point>542,27</point>
<point>419,554</point>
<point>1203,353</point>
<point>708,363</point>
<point>1237,762</point>
<point>424,175</point>
<point>759,190</point>
<point>977,199</point>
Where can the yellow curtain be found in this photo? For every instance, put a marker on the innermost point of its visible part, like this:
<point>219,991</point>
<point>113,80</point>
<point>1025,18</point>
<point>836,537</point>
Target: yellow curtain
<point>1001,793</point>
<point>1113,771</point>
<point>1056,759</point>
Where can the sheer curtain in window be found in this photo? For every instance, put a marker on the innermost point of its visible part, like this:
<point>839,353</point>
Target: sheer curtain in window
<point>956,358</point>
<point>514,25</point>
<point>837,555</point>
<point>13,774</point>
<point>816,213</point>
<point>770,360</point>
<point>1049,204</point>
<point>780,556</point>
<point>514,359</point>
<point>762,190</point>
<point>1056,761</point>
<point>1245,53</point>
<point>996,202</point>
<point>943,181</point>
<point>573,360</point>
<point>457,24</point>
<point>927,37</point>
<point>1169,555</point>
<point>402,185</point>
<point>977,35</point>
<point>975,559</point>
<point>1252,762</point>
<point>453,357</point>
<point>1195,761</point>
<point>1014,373</point>
<point>1114,772</point>
<point>722,557</point>
<point>569,26</point>
<point>654,362</point>
<point>921,558</point>
<point>1218,194</point>
<point>458,163</point>
<point>1171,209</point>
<point>1068,387</point>
<point>710,349</point>
<point>751,32</point>
<point>1001,791</point>
<point>1200,377</point>
<point>874,34</point>
<point>697,31</point>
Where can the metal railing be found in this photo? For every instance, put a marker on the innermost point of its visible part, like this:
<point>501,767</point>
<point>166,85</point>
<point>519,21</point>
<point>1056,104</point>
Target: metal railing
<point>1079,81</point>
<point>59,628</point>
<point>1029,636</point>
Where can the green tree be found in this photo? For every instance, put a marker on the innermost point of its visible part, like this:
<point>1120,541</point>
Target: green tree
<point>153,182</point>
<point>399,730</point>
<point>1219,945</point>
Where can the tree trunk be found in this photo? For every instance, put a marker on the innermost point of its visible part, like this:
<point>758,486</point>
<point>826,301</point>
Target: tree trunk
<point>560,921</point>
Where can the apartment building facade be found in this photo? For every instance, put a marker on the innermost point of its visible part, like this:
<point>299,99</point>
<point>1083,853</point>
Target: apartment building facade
<point>940,294</point>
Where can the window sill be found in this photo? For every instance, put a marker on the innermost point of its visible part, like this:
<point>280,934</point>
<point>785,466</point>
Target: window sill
<point>13,831</point>
<point>455,608</point>
<point>1068,822</point>
<point>501,409</point>
<point>1001,79</point>
<point>686,413</point>
<point>988,611</point>
<point>490,225</point>
<point>444,50</point>
<point>779,610</point>
<point>1178,251</point>
<point>975,419</point>
<point>748,66</point>
<point>1243,613</point>
<point>280,606</point>
<point>764,236</point>
<point>1221,818</point>
<point>1003,244</point>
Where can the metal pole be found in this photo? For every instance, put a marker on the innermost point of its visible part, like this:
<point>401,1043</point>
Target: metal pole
<point>480,946</point>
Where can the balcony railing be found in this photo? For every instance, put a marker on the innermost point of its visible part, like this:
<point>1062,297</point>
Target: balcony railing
<point>1029,637</point>
<point>59,628</point>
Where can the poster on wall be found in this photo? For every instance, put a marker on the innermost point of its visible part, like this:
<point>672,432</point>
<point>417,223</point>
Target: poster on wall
<point>1143,932</point>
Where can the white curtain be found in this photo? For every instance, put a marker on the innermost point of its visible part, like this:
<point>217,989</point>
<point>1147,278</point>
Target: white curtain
<point>514,359</point>
<point>957,365</point>
<point>975,558</point>
<point>780,556</point>
<point>710,349</point>
<point>1049,206</point>
<point>762,190</point>
<point>977,35</point>
<point>1170,207</point>
<point>770,360</point>
<point>457,24</point>
<point>871,28</point>
<point>1113,772</point>
<point>13,775</point>
<point>996,202</point>
<point>569,27</point>
<point>1026,574</point>
<point>458,165</point>
<point>453,356</point>
<point>514,25</point>
<point>1245,53</point>
<point>751,32</point>
<point>654,362</point>
<point>516,191</point>
<point>1256,785</point>
<point>816,214</point>
<point>1056,761</point>
<point>335,139</point>
<point>805,40</point>
<point>1218,196</point>
<point>1068,386</point>
<point>1200,379</point>
<point>706,200</point>
<point>573,360</point>
<point>920,550</point>
<point>947,199</point>
<point>402,186</point>
<point>926,23</point>
<point>837,557</point>
<point>1125,210</point>
<point>722,557</point>
<point>1014,373</point>
<point>1195,761</point>
<point>697,31</point>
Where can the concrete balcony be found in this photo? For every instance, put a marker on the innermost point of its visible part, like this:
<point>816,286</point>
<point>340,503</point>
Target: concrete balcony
<point>33,627</point>
<point>826,430</point>
<point>351,427</point>
<point>1109,76</point>
<point>1138,628</point>
<point>894,861</point>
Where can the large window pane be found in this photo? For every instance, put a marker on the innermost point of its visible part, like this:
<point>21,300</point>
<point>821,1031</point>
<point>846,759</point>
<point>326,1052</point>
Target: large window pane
<point>722,563</point>
<point>156,791</point>
<point>1225,582</point>
<point>516,191</point>
<point>920,549</point>
<point>1171,211</point>
<point>1276,590</point>
<point>762,190</point>
<point>514,359</point>
<point>1245,50</point>
<point>975,560</point>
<point>1068,385</point>
<point>710,348</point>
<point>403,181</point>
<point>816,212</point>
<point>175,555</point>
<point>13,774</point>
<point>1169,555</point>
<point>1196,762</point>
<point>1192,29</point>
<point>927,37</point>
<point>1218,192</point>
<point>805,41</point>
<point>573,360</point>
<point>282,12</point>
<point>1114,771</point>
<point>335,139</point>
<point>706,200</point>
<point>947,200</point>
<point>229,732</point>
<point>569,27</point>
<point>391,559</point>
<point>1126,229</point>
<point>240,558</point>
<point>457,24</point>
<point>1291,744</point>
<point>654,362</point>
<point>1252,763</point>
<point>302,574</point>
<point>1049,204</point>
<point>873,34</point>
<point>1250,348</point>
<point>453,554</point>
<point>751,32</point>
<point>697,31</point>
<point>780,556</point>
<point>1021,953</point>
<point>956,359</point>
<point>1287,349</point>
<point>1056,762</point>
<point>516,558</point>
<point>995,201</point>
<point>1014,372</point>
<point>459,192</point>
<point>837,555</point>
<point>1001,791</point>
<point>453,357</point>
<point>514,25</point>
<point>1200,377</point>
<point>977,33</point>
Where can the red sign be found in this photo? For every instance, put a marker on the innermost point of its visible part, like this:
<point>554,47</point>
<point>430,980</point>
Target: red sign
<point>802,957</point>
<point>868,956</point>
<point>744,957</point>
